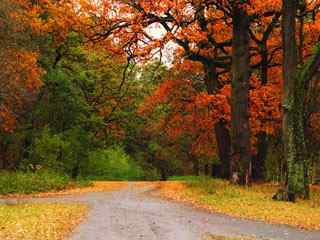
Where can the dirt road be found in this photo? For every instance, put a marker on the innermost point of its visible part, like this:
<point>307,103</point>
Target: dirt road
<point>132,214</point>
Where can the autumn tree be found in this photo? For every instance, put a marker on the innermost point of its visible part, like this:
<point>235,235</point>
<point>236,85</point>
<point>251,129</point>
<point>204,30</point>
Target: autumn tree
<point>202,32</point>
<point>76,89</point>
<point>20,75</point>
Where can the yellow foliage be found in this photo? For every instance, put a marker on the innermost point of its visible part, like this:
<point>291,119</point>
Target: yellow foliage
<point>39,221</point>
<point>250,203</point>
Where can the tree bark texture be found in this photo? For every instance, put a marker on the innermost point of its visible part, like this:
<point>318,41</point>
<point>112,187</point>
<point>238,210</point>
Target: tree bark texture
<point>240,140</point>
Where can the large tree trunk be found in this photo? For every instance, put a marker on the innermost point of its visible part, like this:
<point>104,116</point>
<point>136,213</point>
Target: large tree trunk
<point>295,169</point>
<point>294,93</point>
<point>241,156</point>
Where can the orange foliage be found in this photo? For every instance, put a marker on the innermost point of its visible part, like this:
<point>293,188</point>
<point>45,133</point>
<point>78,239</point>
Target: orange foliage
<point>125,26</point>
<point>191,113</point>
<point>20,81</point>
<point>194,113</point>
<point>26,21</point>
<point>61,17</point>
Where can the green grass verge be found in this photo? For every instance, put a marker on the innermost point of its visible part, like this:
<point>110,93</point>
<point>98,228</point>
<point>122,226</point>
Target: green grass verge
<point>184,178</point>
<point>41,181</point>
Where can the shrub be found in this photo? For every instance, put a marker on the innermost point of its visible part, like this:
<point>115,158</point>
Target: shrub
<point>64,152</point>
<point>112,164</point>
<point>29,182</point>
<point>50,151</point>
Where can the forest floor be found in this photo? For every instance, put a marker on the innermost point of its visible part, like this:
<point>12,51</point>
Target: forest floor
<point>134,213</point>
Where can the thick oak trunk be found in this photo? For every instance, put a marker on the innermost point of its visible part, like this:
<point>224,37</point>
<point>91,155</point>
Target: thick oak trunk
<point>241,156</point>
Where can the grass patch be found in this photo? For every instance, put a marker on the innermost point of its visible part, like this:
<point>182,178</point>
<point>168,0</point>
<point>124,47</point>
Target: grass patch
<point>29,182</point>
<point>39,221</point>
<point>35,182</point>
<point>183,178</point>
<point>250,203</point>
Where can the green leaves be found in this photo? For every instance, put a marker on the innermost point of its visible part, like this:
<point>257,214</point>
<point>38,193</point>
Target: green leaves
<point>112,164</point>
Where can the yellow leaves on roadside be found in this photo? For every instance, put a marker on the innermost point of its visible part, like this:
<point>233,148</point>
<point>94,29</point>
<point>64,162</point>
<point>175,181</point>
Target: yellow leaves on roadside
<point>39,221</point>
<point>250,203</point>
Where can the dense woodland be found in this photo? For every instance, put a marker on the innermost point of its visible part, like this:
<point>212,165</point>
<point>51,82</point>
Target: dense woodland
<point>150,89</point>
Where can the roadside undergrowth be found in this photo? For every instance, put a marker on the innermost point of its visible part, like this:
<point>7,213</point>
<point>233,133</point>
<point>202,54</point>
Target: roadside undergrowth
<point>250,203</point>
<point>97,186</point>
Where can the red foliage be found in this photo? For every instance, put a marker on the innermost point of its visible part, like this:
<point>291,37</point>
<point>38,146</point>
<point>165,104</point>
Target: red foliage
<point>194,113</point>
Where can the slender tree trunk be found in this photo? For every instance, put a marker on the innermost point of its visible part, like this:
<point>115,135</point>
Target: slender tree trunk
<point>302,9</point>
<point>195,163</point>
<point>221,131</point>
<point>196,167</point>
<point>259,159</point>
<point>264,62</point>
<point>75,171</point>
<point>1,156</point>
<point>241,156</point>
<point>4,163</point>
<point>211,78</point>
<point>224,149</point>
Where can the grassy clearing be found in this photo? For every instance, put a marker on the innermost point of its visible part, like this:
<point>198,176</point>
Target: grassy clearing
<point>39,221</point>
<point>251,203</point>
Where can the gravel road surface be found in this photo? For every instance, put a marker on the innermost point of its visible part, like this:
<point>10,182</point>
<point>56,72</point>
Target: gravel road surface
<point>133,214</point>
